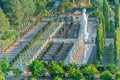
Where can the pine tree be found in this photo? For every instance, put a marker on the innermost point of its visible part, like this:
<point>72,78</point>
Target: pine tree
<point>4,23</point>
<point>14,12</point>
<point>40,6</point>
<point>99,43</point>
<point>106,13</point>
<point>117,45</point>
<point>117,14</point>
<point>28,8</point>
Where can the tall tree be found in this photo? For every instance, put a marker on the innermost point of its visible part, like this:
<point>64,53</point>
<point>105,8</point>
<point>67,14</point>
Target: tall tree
<point>65,6</point>
<point>28,9</point>
<point>40,7</point>
<point>14,12</point>
<point>99,15</point>
<point>4,23</point>
<point>106,13</point>
<point>97,4</point>
<point>117,45</point>
<point>117,14</point>
<point>99,43</point>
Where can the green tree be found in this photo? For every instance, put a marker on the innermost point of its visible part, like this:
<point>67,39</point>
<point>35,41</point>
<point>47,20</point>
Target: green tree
<point>97,4</point>
<point>28,9</point>
<point>117,45</point>
<point>36,68</point>
<point>4,65</point>
<point>74,73</point>
<point>40,7</point>
<point>50,4</point>
<point>65,67</point>
<point>117,75</point>
<point>112,27</point>
<point>65,6</point>
<point>2,75</point>
<point>4,23</point>
<point>106,75</point>
<point>99,15</point>
<point>106,13</point>
<point>55,69</point>
<point>33,78</point>
<point>89,71</point>
<point>117,14</point>
<point>14,12</point>
<point>57,78</point>
<point>100,42</point>
<point>16,71</point>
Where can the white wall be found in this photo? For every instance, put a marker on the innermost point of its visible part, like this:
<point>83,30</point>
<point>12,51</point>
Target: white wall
<point>76,20</point>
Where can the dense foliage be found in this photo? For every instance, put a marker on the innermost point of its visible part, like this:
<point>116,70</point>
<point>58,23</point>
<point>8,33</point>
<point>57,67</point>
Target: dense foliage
<point>117,45</point>
<point>4,65</point>
<point>75,72</point>
<point>106,13</point>
<point>55,69</point>
<point>1,75</point>
<point>99,43</point>
<point>117,14</point>
<point>117,77</point>
<point>17,16</point>
<point>4,23</point>
<point>106,75</point>
<point>65,6</point>
<point>36,68</point>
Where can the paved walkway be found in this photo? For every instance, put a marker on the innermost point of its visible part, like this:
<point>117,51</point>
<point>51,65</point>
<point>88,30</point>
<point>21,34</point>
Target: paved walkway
<point>18,46</point>
<point>92,56</point>
<point>108,58</point>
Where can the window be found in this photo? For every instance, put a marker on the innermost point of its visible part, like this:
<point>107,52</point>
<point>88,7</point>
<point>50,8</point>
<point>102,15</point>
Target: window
<point>76,17</point>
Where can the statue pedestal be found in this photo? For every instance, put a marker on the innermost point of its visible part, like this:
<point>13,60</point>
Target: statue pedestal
<point>86,36</point>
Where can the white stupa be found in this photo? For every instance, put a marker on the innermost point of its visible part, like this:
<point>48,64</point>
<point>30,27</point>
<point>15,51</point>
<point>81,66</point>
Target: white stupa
<point>84,25</point>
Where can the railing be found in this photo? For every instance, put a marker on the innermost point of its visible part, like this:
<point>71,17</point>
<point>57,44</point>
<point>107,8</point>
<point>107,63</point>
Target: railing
<point>75,49</point>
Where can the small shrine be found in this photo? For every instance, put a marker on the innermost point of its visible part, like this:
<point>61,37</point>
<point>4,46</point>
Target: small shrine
<point>76,16</point>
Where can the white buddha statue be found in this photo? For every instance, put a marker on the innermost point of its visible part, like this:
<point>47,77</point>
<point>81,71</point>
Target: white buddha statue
<point>84,25</point>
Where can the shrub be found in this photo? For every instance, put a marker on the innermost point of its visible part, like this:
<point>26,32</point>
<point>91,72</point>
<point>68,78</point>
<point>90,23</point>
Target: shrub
<point>117,76</point>
<point>57,78</point>
<point>106,75</point>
